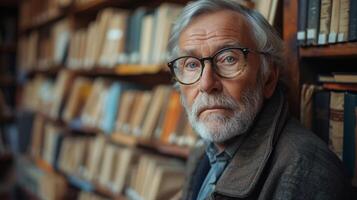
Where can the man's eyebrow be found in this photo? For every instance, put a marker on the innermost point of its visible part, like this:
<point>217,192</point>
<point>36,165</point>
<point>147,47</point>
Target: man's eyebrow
<point>193,52</point>
<point>228,45</point>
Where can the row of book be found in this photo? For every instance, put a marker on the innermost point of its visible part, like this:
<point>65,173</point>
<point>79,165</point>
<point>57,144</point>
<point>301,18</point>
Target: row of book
<point>45,185</point>
<point>115,37</point>
<point>324,22</point>
<point>331,114</point>
<point>92,159</point>
<point>165,178</point>
<point>99,162</point>
<point>115,108</point>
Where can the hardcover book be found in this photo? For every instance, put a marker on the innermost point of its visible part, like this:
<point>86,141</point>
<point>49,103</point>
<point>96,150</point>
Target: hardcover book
<point>336,123</point>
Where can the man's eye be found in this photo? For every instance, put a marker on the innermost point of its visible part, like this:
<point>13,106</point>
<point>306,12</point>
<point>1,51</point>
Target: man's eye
<point>230,60</point>
<point>191,65</point>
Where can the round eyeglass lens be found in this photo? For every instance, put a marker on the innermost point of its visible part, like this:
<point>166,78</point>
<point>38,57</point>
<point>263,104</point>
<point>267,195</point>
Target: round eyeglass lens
<point>187,69</point>
<point>230,62</point>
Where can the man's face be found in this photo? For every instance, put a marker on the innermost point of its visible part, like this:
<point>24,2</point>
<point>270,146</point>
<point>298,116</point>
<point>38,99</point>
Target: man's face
<point>220,108</point>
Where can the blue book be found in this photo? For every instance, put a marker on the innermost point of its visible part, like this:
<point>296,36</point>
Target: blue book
<point>349,132</point>
<point>132,45</point>
<point>352,26</point>
<point>111,108</point>
<point>111,105</point>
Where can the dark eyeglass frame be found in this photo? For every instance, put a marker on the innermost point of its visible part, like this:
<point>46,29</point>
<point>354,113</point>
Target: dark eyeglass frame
<point>244,50</point>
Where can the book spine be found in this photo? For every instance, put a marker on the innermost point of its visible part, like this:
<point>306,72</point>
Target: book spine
<point>354,179</point>
<point>349,140</point>
<point>325,20</point>
<point>335,14</point>
<point>301,34</point>
<point>336,123</point>
<point>313,20</point>
<point>344,18</point>
<point>352,33</point>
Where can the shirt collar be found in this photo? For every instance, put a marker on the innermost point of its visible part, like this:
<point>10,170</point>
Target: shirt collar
<point>214,154</point>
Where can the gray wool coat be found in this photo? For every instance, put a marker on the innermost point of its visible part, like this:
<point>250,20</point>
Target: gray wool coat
<point>278,159</point>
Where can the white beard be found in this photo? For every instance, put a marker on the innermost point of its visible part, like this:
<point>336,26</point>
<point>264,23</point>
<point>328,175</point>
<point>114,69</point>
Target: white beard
<point>217,127</point>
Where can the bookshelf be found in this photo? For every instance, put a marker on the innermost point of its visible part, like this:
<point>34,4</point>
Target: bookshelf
<point>307,62</point>
<point>42,72</point>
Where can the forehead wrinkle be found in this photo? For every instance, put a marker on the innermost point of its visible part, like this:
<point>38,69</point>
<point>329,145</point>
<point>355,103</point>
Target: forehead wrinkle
<point>207,35</point>
<point>196,48</point>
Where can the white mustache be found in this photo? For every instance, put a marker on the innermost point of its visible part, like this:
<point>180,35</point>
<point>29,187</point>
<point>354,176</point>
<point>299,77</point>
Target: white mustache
<point>209,101</point>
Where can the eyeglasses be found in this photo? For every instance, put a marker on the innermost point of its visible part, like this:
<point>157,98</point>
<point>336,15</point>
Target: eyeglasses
<point>227,63</point>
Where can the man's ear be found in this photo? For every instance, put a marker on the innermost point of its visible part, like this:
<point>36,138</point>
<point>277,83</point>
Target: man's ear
<point>270,82</point>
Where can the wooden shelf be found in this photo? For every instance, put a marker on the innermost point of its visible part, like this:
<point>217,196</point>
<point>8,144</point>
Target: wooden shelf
<point>52,71</point>
<point>97,5</point>
<point>51,119</point>
<point>83,130</point>
<point>85,185</point>
<point>146,76</point>
<point>152,145</point>
<point>340,86</point>
<point>334,50</point>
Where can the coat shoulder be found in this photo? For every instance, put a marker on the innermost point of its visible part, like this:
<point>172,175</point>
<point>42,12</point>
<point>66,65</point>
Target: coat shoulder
<point>305,161</point>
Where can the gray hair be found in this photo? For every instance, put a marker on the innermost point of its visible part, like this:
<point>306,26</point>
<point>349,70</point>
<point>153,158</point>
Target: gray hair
<point>265,37</point>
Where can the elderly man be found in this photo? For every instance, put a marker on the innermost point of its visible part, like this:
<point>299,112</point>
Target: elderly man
<point>227,64</point>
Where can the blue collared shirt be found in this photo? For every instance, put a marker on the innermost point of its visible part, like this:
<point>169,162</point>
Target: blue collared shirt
<point>218,160</point>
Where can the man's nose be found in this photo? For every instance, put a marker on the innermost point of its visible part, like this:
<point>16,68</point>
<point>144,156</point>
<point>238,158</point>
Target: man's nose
<point>210,81</point>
